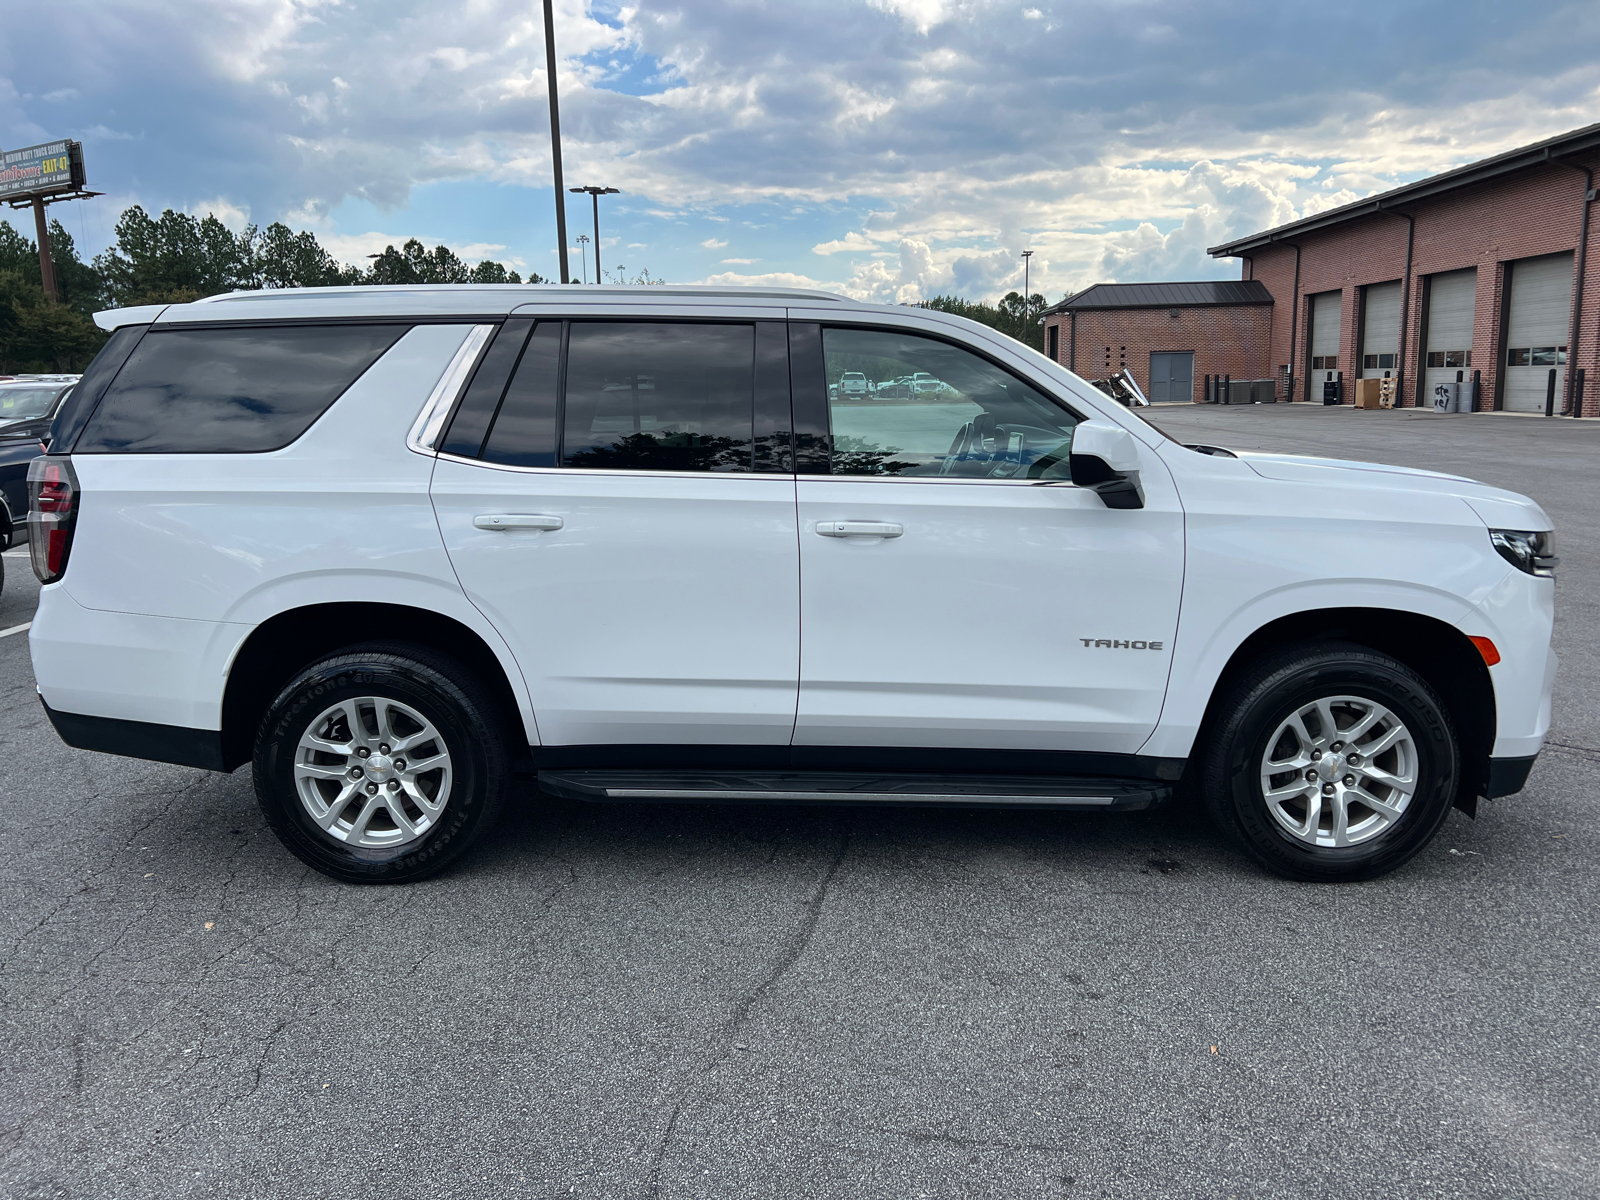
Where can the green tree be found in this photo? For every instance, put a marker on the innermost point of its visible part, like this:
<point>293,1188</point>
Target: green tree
<point>34,334</point>
<point>78,284</point>
<point>286,259</point>
<point>489,271</point>
<point>176,257</point>
<point>415,263</point>
<point>1011,316</point>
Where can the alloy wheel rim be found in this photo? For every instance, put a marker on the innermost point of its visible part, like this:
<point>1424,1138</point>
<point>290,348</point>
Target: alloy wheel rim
<point>372,772</point>
<point>1339,771</point>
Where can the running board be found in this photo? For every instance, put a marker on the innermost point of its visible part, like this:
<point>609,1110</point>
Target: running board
<point>817,787</point>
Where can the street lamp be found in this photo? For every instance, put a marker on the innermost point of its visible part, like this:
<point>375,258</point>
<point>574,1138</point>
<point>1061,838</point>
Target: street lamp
<point>1026,255</point>
<point>583,249</point>
<point>595,193</point>
<point>555,138</point>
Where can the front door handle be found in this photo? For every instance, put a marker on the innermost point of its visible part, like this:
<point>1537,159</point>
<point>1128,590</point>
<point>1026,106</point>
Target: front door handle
<point>506,521</point>
<point>844,529</point>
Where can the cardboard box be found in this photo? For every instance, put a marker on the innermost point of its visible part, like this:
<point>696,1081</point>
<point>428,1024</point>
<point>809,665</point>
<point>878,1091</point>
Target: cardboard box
<point>1368,392</point>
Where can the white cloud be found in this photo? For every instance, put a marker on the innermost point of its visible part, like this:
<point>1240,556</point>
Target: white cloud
<point>850,242</point>
<point>903,147</point>
<point>234,216</point>
<point>787,279</point>
<point>922,15</point>
<point>741,261</point>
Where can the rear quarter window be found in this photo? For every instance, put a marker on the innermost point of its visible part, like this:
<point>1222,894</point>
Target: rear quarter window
<point>232,390</point>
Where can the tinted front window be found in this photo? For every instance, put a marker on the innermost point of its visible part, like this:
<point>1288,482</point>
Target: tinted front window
<point>219,391</point>
<point>673,397</point>
<point>899,404</point>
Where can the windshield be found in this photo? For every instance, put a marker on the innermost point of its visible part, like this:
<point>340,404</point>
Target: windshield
<point>26,403</point>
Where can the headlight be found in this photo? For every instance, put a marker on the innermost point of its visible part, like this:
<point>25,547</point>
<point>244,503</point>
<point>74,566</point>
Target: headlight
<point>1530,552</point>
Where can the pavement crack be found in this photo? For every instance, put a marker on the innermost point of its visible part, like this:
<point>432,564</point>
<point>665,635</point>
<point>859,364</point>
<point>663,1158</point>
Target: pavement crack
<point>1587,752</point>
<point>793,949</point>
<point>266,1049</point>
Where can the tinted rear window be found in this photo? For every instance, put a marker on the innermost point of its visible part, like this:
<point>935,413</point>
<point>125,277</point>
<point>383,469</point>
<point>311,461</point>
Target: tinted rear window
<point>659,397</point>
<point>230,391</point>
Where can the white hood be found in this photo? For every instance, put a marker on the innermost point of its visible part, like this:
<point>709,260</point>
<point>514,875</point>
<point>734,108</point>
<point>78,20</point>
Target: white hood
<point>1496,507</point>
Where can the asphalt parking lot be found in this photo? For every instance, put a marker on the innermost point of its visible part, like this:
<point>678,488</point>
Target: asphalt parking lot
<point>790,1002</point>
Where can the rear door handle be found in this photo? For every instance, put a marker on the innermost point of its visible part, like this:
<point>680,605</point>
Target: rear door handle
<point>844,529</point>
<point>507,521</point>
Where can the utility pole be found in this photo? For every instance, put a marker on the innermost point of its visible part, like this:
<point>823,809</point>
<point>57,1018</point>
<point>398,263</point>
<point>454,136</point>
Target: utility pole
<point>595,193</point>
<point>47,269</point>
<point>555,138</point>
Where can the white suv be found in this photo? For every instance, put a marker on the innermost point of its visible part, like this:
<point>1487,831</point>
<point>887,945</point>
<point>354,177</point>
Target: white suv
<point>386,544</point>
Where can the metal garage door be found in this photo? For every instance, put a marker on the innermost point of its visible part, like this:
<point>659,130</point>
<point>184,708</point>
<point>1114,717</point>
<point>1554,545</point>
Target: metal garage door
<point>1380,332</point>
<point>1326,310</point>
<point>1452,305</point>
<point>1536,333</point>
<point>1172,377</point>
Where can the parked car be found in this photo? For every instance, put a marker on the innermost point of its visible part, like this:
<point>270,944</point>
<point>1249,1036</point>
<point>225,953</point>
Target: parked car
<point>854,383</point>
<point>26,409</point>
<point>381,544</point>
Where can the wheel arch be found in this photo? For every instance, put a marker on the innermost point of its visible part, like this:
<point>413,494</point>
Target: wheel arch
<point>289,640</point>
<point>1434,649</point>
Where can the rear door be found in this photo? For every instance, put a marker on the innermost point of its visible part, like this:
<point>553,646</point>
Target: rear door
<point>624,514</point>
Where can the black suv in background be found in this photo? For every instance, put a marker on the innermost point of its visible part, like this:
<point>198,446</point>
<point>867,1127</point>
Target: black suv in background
<point>27,406</point>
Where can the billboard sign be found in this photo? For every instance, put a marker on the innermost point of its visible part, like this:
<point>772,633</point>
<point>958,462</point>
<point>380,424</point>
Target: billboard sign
<point>41,170</point>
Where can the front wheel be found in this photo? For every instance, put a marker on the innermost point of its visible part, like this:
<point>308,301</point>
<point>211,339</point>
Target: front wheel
<point>1330,762</point>
<point>381,764</point>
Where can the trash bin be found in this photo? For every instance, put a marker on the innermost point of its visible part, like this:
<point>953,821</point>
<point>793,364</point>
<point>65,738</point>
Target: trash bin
<point>1333,388</point>
<point>1446,397</point>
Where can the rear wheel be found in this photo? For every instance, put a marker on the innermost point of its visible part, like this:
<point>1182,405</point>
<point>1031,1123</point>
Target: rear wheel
<point>1330,762</point>
<point>381,764</point>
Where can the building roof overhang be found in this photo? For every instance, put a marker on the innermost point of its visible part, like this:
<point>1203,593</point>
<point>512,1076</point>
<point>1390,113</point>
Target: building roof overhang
<point>1551,150</point>
<point>1200,293</point>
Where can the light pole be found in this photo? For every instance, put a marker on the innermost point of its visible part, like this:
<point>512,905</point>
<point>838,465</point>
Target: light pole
<point>1026,255</point>
<point>583,249</point>
<point>595,193</point>
<point>555,138</point>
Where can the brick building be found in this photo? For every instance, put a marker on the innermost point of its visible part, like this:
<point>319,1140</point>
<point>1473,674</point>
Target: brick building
<point>1171,335</point>
<point>1476,273</point>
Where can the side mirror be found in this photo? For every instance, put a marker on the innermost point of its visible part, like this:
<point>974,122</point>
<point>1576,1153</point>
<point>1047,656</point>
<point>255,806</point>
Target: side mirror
<point>1105,459</point>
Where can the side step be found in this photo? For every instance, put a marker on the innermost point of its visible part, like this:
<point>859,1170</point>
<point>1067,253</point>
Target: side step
<point>818,787</point>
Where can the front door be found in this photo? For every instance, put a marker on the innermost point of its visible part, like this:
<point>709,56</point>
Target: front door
<point>956,590</point>
<point>1172,377</point>
<point>622,529</point>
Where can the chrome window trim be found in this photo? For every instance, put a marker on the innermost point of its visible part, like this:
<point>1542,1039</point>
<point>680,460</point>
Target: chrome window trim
<point>425,430</point>
<point>608,472</point>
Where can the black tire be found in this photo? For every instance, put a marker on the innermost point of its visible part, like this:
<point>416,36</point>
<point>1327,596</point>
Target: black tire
<point>449,696</point>
<point>1266,694</point>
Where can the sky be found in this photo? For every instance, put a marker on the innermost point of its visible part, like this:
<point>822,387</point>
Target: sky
<point>893,150</point>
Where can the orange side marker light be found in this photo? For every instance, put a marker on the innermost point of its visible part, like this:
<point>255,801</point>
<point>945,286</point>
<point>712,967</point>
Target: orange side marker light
<point>1487,649</point>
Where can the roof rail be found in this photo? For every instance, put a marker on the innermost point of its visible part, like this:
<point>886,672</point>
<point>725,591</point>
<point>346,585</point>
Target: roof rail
<point>527,291</point>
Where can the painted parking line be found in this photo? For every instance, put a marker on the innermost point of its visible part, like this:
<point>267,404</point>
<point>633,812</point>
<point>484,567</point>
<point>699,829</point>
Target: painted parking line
<point>23,628</point>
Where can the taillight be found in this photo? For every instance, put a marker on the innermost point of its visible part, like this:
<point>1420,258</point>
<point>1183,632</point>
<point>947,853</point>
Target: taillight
<point>52,512</point>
